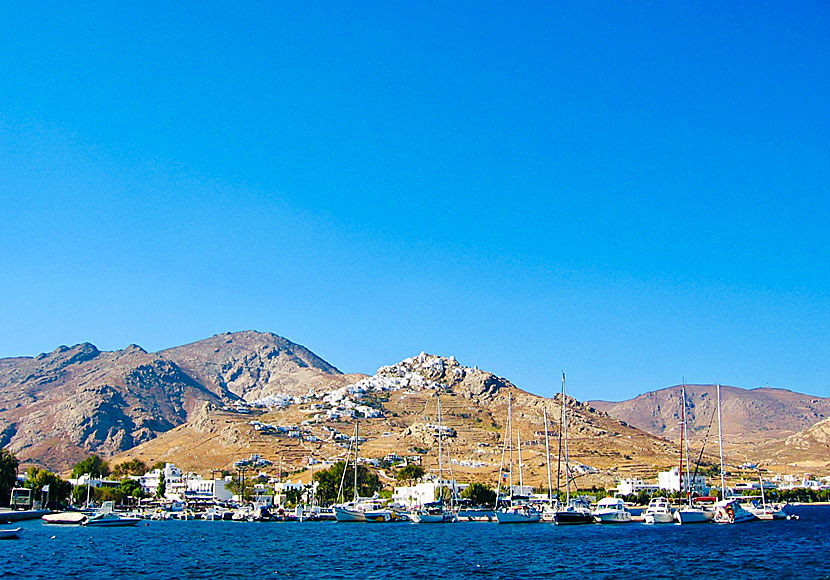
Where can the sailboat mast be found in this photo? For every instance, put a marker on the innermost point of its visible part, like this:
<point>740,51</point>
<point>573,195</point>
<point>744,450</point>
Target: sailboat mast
<point>521,470</point>
<point>565,437</point>
<point>510,436</point>
<point>356,445</point>
<point>720,442</point>
<point>440,454</point>
<point>547,454</point>
<point>688,454</point>
<point>682,435</point>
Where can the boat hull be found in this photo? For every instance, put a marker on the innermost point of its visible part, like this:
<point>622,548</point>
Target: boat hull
<point>349,516</point>
<point>64,518</point>
<point>518,517</point>
<point>572,518</point>
<point>658,518</point>
<point>612,517</point>
<point>693,516</point>
<point>11,534</point>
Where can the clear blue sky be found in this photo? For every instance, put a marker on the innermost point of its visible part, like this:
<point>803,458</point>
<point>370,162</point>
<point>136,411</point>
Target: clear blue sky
<point>632,192</point>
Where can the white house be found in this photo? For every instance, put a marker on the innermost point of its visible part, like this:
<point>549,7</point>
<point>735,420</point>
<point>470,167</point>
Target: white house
<point>424,492</point>
<point>670,480</point>
<point>632,485</point>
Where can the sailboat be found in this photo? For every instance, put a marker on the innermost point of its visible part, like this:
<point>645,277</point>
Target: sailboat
<point>437,512</point>
<point>689,513</point>
<point>728,510</point>
<point>577,510</point>
<point>353,511</point>
<point>518,510</point>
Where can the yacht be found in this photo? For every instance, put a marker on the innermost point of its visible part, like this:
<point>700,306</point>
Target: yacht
<point>730,511</point>
<point>658,512</point>
<point>611,510</point>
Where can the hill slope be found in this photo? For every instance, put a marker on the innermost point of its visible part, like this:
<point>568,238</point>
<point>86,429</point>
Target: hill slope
<point>401,403</point>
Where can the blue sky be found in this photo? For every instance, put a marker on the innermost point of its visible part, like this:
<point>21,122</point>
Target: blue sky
<point>632,194</point>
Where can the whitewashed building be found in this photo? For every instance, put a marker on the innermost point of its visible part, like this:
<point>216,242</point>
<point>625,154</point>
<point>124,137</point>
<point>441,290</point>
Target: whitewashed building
<point>670,480</point>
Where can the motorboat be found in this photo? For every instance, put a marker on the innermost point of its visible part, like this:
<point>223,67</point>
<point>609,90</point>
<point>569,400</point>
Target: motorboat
<point>578,511</point>
<point>11,534</point>
<point>109,519</point>
<point>730,511</point>
<point>65,518</point>
<point>611,510</point>
<point>658,512</point>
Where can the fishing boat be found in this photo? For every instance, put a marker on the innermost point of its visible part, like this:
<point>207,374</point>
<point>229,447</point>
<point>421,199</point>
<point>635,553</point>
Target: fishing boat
<point>11,534</point>
<point>577,510</point>
<point>109,519</point>
<point>611,510</point>
<point>658,512</point>
<point>517,509</point>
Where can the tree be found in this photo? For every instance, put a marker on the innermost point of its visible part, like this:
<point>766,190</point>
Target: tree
<point>329,482</point>
<point>8,474</point>
<point>59,489</point>
<point>410,473</point>
<point>479,494</point>
<point>131,467</point>
<point>93,465</point>
<point>161,488</point>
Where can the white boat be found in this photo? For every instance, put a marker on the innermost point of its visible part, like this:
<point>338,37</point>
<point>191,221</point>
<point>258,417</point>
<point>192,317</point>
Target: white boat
<point>730,511</point>
<point>770,511</point>
<point>693,514</point>
<point>11,534</point>
<point>658,512</point>
<point>517,510</point>
<point>109,519</point>
<point>433,513</point>
<point>64,518</point>
<point>436,512</point>
<point>518,514</point>
<point>611,510</point>
<point>349,513</point>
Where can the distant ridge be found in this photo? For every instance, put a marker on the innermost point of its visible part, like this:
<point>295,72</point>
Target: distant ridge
<point>749,415</point>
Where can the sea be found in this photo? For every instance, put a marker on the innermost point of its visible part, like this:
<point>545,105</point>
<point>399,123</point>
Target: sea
<point>164,550</point>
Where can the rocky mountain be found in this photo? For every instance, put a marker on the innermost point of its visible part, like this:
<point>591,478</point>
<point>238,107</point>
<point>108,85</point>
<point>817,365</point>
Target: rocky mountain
<point>807,450</point>
<point>58,407</point>
<point>751,416</point>
<point>253,365</point>
<point>397,411</point>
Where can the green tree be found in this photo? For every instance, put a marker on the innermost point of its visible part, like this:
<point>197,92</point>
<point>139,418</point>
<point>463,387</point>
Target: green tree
<point>162,487</point>
<point>93,465</point>
<point>410,473</point>
<point>8,475</point>
<point>59,489</point>
<point>329,482</point>
<point>131,467</point>
<point>479,494</point>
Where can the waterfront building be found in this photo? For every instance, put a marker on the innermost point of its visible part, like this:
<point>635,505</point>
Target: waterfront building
<point>671,480</point>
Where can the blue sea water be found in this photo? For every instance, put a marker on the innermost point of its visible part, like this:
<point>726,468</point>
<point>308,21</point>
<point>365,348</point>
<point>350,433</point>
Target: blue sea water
<point>328,550</point>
